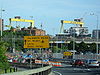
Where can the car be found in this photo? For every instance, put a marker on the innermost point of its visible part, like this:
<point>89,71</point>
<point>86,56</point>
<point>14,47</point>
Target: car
<point>10,60</point>
<point>78,62</point>
<point>71,62</point>
<point>91,63</point>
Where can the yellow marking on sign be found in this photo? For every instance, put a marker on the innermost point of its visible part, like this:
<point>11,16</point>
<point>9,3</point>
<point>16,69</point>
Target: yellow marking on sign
<point>67,53</point>
<point>36,41</point>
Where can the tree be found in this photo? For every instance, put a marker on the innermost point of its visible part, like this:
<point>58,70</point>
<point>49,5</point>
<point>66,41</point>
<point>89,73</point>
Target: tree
<point>10,37</point>
<point>55,49</point>
<point>92,47</point>
<point>83,47</point>
<point>19,45</point>
<point>3,59</point>
<point>70,45</point>
<point>63,47</point>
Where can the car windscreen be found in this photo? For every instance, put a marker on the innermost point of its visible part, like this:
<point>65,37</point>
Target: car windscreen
<point>93,61</point>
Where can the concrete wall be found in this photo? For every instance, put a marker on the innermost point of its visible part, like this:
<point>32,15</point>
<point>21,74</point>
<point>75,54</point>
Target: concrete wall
<point>42,70</point>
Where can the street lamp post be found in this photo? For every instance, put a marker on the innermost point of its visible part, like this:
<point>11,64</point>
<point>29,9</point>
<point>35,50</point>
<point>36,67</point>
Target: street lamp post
<point>31,26</point>
<point>97,35</point>
<point>31,35</point>
<point>1,20</point>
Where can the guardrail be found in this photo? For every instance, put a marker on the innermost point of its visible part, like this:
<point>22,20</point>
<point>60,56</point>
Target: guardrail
<point>87,56</point>
<point>39,71</point>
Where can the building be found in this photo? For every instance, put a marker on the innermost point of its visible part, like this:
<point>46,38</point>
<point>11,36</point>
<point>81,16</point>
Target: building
<point>94,34</point>
<point>2,23</point>
<point>34,31</point>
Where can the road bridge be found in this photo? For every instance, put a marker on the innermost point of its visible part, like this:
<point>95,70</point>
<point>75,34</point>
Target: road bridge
<point>63,40</point>
<point>77,40</point>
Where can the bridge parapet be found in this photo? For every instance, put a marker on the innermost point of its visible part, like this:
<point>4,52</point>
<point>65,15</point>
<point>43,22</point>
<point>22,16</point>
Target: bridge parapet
<point>77,40</point>
<point>39,71</point>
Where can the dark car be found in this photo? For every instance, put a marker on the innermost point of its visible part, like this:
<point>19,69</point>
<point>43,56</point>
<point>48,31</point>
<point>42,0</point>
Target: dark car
<point>78,63</point>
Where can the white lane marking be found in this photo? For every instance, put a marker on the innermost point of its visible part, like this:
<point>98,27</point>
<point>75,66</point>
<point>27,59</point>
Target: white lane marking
<point>57,72</point>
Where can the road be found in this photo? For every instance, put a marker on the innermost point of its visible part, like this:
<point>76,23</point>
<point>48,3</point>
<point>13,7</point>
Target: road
<point>69,70</point>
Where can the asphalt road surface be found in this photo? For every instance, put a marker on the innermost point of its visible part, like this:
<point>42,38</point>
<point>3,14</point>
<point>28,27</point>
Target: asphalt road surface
<point>69,70</point>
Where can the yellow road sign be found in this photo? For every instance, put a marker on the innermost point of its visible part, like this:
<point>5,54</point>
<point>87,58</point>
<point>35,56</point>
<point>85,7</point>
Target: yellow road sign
<point>36,41</point>
<point>67,53</point>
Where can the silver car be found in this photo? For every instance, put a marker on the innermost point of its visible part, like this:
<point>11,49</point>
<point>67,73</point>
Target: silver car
<point>91,63</point>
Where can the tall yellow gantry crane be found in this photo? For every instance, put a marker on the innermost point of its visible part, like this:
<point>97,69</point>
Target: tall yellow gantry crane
<point>20,20</point>
<point>70,22</point>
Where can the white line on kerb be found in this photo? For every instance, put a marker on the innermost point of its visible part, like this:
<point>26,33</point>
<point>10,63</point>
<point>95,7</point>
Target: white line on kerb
<point>57,72</point>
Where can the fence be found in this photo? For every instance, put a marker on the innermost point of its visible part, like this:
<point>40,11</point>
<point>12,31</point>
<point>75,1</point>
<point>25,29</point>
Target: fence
<point>87,56</point>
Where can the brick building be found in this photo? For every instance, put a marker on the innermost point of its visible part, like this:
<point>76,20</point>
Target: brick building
<point>34,31</point>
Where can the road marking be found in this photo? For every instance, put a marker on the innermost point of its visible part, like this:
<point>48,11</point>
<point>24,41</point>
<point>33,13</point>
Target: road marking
<point>57,72</point>
<point>80,69</point>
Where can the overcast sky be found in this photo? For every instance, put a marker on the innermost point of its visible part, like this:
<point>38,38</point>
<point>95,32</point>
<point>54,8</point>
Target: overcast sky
<point>50,12</point>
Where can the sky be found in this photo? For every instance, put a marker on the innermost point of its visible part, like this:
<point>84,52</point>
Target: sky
<point>49,13</point>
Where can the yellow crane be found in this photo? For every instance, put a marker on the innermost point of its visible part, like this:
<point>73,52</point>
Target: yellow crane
<point>69,22</point>
<point>22,20</point>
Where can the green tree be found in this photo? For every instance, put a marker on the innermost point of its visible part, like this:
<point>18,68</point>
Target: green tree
<point>3,59</point>
<point>92,47</point>
<point>70,45</point>
<point>55,49</point>
<point>63,47</point>
<point>19,45</point>
<point>14,38</point>
<point>83,47</point>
